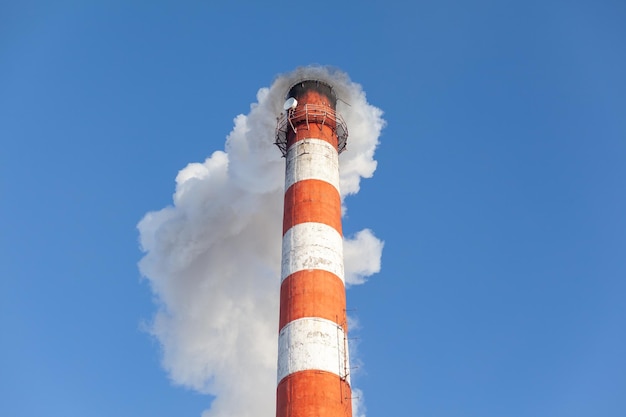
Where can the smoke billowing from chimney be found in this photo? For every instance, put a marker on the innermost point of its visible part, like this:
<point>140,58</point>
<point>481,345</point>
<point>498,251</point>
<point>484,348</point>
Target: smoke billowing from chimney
<point>213,257</point>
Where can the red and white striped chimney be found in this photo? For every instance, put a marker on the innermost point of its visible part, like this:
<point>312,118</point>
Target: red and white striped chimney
<point>313,363</point>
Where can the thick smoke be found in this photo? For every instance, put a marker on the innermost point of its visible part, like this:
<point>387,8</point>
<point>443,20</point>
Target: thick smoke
<point>213,257</point>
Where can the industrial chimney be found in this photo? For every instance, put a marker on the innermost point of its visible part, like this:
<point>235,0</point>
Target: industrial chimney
<point>313,363</point>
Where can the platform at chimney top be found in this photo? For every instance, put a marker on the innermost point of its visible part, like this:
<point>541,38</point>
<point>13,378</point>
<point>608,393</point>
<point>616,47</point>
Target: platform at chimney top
<point>318,109</point>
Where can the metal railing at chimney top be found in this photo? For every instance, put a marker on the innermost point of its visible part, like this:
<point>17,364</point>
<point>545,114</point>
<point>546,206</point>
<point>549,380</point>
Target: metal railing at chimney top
<point>311,113</point>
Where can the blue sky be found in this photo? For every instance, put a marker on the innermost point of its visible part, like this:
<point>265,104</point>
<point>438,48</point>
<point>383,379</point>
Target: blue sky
<point>499,194</point>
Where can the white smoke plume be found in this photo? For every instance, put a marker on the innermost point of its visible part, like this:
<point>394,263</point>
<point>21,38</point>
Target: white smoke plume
<point>213,257</point>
